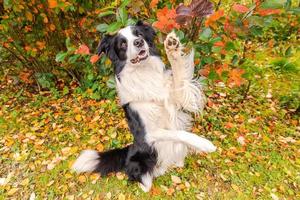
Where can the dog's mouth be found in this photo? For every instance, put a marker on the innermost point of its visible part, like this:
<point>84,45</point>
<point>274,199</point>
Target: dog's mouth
<point>142,55</point>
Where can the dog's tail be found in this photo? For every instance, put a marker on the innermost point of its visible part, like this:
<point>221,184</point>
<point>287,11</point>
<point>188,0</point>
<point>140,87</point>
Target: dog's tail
<point>101,162</point>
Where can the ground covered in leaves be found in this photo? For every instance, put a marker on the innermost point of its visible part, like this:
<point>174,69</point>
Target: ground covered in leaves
<point>257,139</point>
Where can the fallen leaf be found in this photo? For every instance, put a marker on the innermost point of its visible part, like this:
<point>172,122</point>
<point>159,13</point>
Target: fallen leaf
<point>78,117</point>
<point>121,197</point>
<point>175,179</point>
<point>12,191</point>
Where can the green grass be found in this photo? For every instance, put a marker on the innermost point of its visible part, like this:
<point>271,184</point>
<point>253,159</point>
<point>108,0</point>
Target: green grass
<point>41,137</point>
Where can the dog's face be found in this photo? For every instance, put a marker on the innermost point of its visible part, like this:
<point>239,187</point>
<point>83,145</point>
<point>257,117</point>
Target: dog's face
<point>131,45</point>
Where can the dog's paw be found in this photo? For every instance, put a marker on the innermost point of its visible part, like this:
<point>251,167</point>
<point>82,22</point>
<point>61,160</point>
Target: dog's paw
<point>172,46</point>
<point>172,42</point>
<point>205,145</point>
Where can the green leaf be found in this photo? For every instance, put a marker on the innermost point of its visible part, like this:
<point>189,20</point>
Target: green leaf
<point>214,40</point>
<point>102,28</point>
<point>90,77</point>
<point>256,30</point>
<point>216,49</point>
<point>206,34</point>
<point>60,57</point>
<point>125,3</point>
<point>65,90</point>
<point>122,16</point>
<point>229,46</point>
<point>112,28</point>
<point>73,58</point>
<point>130,22</point>
<point>106,13</point>
<point>68,44</point>
<point>213,75</point>
<point>295,11</point>
<point>274,4</point>
<point>111,82</point>
<point>288,52</point>
<point>235,60</point>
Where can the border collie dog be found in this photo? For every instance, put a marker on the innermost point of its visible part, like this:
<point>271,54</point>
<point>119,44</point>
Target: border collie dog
<point>157,104</point>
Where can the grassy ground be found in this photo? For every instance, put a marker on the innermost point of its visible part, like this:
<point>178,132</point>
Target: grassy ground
<point>257,139</point>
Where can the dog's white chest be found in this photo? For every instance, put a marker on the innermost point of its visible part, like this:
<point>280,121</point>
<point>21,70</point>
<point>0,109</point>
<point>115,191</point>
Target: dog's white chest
<point>143,83</point>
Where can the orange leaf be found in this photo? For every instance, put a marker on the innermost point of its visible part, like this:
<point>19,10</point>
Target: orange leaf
<point>219,44</point>
<point>153,3</point>
<point>166,20</point>
<point>214,17</point>
<point>235,77</point>
<point>83,50</point>
<point>94,59</point>
<point>265,12</point>
<point>41,45</point>
<point>229,125</point>
<point>240,8</point>
<point>52,3</point>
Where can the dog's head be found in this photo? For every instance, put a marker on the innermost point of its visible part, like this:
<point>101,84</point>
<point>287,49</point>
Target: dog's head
<point>131,45</point>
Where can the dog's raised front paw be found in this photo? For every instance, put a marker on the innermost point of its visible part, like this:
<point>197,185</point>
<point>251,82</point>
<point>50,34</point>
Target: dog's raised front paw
<point>172,42</point>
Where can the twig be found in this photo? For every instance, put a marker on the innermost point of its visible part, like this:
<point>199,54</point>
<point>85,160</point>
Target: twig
<point>246,91</point>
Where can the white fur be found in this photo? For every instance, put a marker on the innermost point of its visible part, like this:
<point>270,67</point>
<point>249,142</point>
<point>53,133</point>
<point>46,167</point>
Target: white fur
<point>161,98</point>
<point>86,162</point>
<point>146,182</point>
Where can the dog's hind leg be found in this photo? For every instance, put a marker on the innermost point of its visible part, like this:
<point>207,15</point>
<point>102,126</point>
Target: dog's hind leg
<point>186,91</point>
<point>190,139</point>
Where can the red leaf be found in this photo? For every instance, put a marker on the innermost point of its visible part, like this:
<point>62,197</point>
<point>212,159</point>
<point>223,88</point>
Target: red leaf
<point>94,59</point>
<point>83,50</point>
<point>240,8</point>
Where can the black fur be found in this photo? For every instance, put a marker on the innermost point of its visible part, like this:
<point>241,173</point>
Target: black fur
<point>141,157</point>
<point>112,161</point>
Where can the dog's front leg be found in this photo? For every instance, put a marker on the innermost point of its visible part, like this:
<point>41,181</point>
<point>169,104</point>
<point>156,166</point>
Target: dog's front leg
<point>190,139</point>
<point>146,182</point>
<point>186,91</point>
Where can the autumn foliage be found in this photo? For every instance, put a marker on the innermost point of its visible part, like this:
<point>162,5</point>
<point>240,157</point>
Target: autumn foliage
<point>57,38</point>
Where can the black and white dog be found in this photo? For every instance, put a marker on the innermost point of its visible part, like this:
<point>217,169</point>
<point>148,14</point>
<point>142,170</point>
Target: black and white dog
<point>157,103</point>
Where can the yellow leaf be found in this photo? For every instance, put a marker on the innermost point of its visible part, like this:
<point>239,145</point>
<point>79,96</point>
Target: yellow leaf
<point>78,118</point>
<point>25,182</point>
<point>100,147</point>
<point>29,16</point>
<point>121,197</point>
<point>52,27</point>
<point>12,191</point>
<point>81,179</point>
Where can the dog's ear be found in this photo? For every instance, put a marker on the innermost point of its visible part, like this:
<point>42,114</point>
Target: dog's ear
<point>104,45</point>
<point>148,31</point>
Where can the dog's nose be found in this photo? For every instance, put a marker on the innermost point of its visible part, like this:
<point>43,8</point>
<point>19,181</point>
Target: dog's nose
<point>138,42</point>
